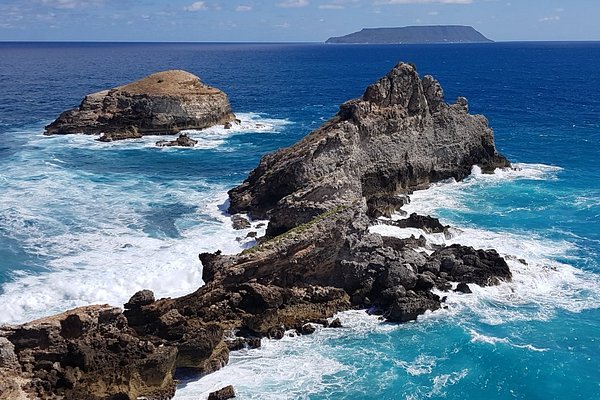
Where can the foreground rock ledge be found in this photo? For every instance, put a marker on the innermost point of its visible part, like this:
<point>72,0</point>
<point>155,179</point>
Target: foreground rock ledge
<point>318,258</point>
<point>162,103</point>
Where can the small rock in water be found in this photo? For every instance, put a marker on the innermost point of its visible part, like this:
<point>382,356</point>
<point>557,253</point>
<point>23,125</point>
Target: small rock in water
<point>336,323</point>
<point>307,329</point>
<point>222,394</point>
<point>240,222</point>
<point>463,288</point>
<point>183,141</point>
<point>276,332</point>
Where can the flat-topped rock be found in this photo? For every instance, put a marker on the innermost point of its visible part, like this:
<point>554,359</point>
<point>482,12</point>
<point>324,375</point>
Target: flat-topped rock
<point>162,103</point>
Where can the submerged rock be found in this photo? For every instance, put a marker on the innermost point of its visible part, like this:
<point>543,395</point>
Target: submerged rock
<point>162,103</point>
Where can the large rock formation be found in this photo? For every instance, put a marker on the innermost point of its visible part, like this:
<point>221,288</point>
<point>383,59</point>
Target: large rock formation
<point>414,34</point>
<point>399,136</point>
<point>318,259</point>
<point>162,103</point>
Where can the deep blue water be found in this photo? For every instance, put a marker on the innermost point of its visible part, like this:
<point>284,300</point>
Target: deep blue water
<point>84,222</point>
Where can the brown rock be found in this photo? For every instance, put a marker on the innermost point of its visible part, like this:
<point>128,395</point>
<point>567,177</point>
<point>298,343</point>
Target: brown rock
<point>182,141</point>
<point>162,103</point>
<point>222,394</point>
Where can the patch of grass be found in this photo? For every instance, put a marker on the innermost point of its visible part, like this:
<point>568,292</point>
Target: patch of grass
<point>296,230</point>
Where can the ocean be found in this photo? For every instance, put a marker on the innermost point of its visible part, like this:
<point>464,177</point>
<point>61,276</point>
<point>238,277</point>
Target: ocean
<point>85,222</point>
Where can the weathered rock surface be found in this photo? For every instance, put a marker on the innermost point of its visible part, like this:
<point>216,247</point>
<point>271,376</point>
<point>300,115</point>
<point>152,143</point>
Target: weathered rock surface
<point>399,136</point>
<point>222,394</point>
<point>162,103</point>
<point>86,353</point>
<point>318,259</point>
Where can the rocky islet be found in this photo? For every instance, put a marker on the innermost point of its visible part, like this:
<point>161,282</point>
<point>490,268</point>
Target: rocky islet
<point>318,258</point>
<point>163,103</point>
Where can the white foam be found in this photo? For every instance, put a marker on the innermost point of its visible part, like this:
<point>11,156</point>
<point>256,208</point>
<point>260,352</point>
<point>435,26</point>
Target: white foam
<point>448,194</point>
<point>95,240</point>
<point>477,337</point>
<point>538,288</point>
<point>444,380</point>
<point>294,367</point>
<point>210,138</point>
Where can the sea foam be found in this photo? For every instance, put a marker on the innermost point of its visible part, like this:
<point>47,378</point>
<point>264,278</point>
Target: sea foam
<point>541,285</point>
<point>98,237</point>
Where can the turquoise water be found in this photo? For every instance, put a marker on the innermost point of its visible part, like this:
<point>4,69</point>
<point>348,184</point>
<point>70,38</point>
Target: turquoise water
<point>83,222</point>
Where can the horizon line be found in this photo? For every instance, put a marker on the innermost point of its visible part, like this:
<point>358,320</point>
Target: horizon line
<point>286,42</point>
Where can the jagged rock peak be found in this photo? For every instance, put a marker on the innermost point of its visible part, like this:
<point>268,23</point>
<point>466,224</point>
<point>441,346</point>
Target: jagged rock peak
<point>398,137</point>
<point>403,87</point>
<point>162,103</point>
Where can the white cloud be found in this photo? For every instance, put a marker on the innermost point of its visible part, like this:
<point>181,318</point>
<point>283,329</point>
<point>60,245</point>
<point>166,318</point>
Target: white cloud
<point>553,18</point>
<point>69,4</point>
<point>434,13</point>
<point>337,4</point>
<point>382,2</point>
<point>560,9</point>
<point>293,3</point>
<point>284,25</point>
<point>196,6</point>
<point>243,8</point>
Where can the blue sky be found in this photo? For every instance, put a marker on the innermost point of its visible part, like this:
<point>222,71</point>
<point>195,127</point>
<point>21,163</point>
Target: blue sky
<point>288,20</point>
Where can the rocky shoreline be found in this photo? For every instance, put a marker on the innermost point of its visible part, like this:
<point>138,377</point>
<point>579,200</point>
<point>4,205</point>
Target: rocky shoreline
<point>321,195</point>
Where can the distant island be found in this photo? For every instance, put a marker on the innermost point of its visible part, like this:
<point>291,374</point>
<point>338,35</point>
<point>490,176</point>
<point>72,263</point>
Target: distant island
<point>414,35</point>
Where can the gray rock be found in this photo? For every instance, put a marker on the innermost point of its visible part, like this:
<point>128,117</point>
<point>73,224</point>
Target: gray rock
<point>141,298</point>
<point>463,288</point>
<point>399,136</point>
<point>8,358</point>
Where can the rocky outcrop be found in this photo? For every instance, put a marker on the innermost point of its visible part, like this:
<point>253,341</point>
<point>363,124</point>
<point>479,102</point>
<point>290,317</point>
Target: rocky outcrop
<point>398,137</point>
<point>86,353</point>
<point>318,258</point>
<point>162,103</point>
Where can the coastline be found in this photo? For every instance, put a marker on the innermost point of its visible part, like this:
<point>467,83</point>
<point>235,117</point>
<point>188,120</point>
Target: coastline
<point>499,211</point>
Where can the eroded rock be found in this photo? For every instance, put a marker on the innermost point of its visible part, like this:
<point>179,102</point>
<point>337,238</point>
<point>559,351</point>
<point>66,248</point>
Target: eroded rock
<point>162,103</point>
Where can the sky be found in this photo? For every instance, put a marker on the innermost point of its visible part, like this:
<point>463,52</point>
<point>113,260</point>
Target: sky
<point>288,20</point>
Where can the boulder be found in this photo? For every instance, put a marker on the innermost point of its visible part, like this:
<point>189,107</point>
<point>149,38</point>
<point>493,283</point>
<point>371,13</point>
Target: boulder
<point>240,222</point>
<point>222,394</point>
<point>162,103</point>
<point>89,352</point>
